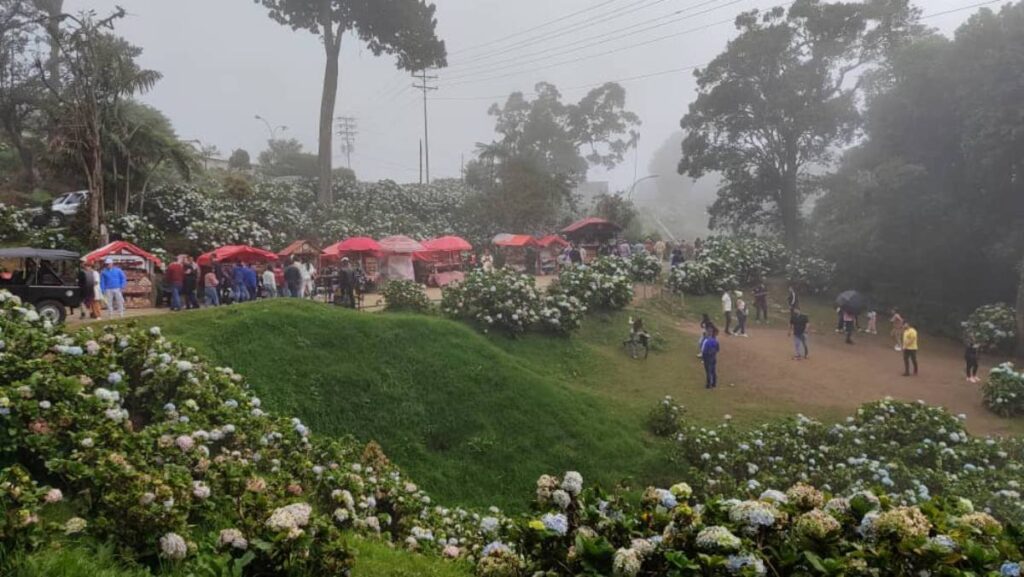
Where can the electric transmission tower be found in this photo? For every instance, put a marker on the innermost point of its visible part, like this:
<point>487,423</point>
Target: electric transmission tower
<point>347,130</point>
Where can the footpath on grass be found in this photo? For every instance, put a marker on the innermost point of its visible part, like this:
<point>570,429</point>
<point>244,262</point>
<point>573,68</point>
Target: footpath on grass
<point>842,377</point>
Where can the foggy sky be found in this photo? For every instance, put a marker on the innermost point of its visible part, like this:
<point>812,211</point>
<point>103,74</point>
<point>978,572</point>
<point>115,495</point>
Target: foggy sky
<point>225,61</point>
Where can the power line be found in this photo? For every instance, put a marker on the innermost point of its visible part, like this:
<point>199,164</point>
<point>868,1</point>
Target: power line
<point>527,31</point>
<point>960,9</point>
<point>561,32</point>
<point>600,39</point>
<point>425,86</point>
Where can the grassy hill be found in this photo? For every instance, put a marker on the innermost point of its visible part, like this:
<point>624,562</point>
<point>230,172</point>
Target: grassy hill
<point>470,419</point>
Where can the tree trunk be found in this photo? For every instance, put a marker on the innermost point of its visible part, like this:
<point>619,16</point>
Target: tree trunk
<point>53,10</point>
<point>332,47</point>
<point>28,162</point>
<point>789,207</point>
<point>1020,312</point>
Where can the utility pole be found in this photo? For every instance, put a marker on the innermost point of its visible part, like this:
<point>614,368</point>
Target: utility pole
<point>462,167</point>
<point>347,130</point>
<point>421,161</point>
<point>425,86</point>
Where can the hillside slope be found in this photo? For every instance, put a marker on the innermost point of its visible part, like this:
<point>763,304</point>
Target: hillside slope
<point>465,418</point>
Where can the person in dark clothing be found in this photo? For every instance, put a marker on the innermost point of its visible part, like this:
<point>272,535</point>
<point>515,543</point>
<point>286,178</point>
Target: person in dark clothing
<point>86,284</point>
<point>293,279</point>
<point>252,283</point>
<point>190,283</point>
<point>792,299</point>
<point>798,330</point>
<point>706,327</point>
<point>677,258</point>
<point>575,256</point>
<point>971,353</point>
<point>709,354</point>
<point>347,285</point>
<point>761,303</point>
<point>239,294</point>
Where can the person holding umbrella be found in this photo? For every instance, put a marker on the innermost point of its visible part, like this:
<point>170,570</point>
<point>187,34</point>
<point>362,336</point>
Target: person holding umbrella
<point>850,304</point>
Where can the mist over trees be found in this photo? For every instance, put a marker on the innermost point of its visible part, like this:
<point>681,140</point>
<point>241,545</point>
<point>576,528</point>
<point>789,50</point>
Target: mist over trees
<point>675,201</point>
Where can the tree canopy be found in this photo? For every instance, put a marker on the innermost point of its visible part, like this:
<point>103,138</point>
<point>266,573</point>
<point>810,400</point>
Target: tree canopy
<point>780,99</point>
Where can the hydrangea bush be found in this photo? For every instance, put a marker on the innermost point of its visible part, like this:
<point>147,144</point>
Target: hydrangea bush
<point>1004,391</point>
<point>992,327</point>
<point>13,223</point>
<point>503,299</point>
<point>811,275</point>
<point>405,295</point>
<point>604,285</point>
<point>645,268</point>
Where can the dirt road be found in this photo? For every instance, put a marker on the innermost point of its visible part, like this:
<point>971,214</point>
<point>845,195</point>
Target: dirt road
<point>844,376</point>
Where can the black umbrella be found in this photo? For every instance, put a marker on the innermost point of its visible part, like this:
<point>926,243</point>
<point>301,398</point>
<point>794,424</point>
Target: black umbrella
<point>852,302</point>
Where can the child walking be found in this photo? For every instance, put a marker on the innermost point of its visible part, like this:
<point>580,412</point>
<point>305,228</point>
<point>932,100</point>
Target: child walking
<point>872,323</point>
<point>741,315</point>
<point>709,354</point>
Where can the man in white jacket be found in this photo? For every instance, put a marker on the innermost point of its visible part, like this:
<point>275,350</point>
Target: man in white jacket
<point>727,309</point>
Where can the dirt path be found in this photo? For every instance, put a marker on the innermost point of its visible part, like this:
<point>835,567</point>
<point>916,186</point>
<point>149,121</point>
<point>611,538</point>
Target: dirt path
<point>842,376</point>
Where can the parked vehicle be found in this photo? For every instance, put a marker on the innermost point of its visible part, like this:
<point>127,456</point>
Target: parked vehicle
<point>46,279</point>
<point>61,210</point>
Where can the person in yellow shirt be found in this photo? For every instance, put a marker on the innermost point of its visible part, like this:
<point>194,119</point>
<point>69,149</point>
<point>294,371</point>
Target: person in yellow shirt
<point>909,348</point>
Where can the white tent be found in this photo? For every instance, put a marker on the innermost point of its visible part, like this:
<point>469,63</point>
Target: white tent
<point>399,267</point>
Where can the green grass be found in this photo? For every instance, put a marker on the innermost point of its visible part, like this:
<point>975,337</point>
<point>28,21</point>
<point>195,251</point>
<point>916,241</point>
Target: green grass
<point>473,419</point>
<point>75,561</point>
<point>376,559</point>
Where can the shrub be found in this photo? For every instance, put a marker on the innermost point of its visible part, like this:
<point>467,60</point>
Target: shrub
<point>810,274</point>
<point>503,300</point>
<point>698,278</point>
<point>665,419</point>
<point>405,295</point>
<point>645,268</point>
<point>605,285</point>
<point>13,224</point>
<point>992,327</point>
<point>1004,391</point>
<point>559,312</point>
<point>136,230</point>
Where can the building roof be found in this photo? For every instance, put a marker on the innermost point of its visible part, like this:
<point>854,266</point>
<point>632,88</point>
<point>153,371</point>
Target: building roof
<point>591,222</point>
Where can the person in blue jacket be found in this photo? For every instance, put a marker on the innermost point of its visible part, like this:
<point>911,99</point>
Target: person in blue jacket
<point>252,283</point>
<point>238,292</point>
<point>112,283</point>
<point>709,355</point>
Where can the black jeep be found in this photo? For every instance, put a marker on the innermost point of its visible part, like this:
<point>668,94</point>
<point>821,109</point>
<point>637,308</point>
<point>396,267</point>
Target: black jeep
<point>45,279</point>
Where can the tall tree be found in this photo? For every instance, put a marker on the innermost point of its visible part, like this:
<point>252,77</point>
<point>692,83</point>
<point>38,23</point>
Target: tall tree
<point>22,96</point>
<point>404,28</point>
<point>780,99</point>
<point>240,160</point>
<point>97,73</point>
<point>54,11</point>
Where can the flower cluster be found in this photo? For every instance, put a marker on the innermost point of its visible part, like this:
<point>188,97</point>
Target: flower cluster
<point>604,285</point>
<point>645,267</point>
<point>14,224</point>
<point>509,301</point>
<point>810,274</point>
<point>727,263</point>
<point>404,295</point>
<point>1004,391</point>
<point>992,327</point>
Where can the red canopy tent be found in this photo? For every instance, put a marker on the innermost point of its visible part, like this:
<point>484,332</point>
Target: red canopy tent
<point>237,253</point>
<point>516,249</point>
<point>299,248</point>
<point>514,240</point>
<point>550,247</point>
<point>122,251</point>
<point>398,263</point>
<point>553,241</point>
<point>442,260</point>
<point>590,233</point>
<point>363,248</point>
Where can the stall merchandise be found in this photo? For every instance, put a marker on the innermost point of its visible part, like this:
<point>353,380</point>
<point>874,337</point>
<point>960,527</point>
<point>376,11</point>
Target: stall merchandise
<point>139,267</point>
<point>551,246</point>
<point>519,251</point>
<point>591,233</point>
<point>398,252</point>
<point>442,260</point>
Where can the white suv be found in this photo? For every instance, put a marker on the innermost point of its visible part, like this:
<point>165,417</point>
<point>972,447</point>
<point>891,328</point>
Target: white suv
<point>63,208</point>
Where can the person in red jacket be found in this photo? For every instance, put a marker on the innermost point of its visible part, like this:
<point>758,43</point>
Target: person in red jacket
<point>174,278</point>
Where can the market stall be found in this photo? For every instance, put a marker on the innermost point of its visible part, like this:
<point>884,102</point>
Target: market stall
<point>398,251</point>
<point>551,246</point>
<point>300,249</point>
<point>364,252</point>
<point>237,253</point>
<point>591,233</point>
<point>442,260</point>
<point>518,251</point>
<point>139,266</point>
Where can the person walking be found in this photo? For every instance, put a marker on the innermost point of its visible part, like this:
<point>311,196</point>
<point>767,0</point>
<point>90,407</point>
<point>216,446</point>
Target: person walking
<point>896,320</point>
<point>282,287</point>
<point>727,310</point>
<point>872,323</point>
<point>659,250</point>
<point>706,325</point>
<point>239,294</point>
<point>798,330</point>
<point>741,315</point>
<point>709,355</point>
<point>252,283</point>
<point>792,299</point>
<point>97,293</point>
<point>211,286</point>
<point>849,321</point>
<point>112,283</point>
<point>761,303</point>
<point>293,279</point>
<point>971,354</point>
<point>174,279</point>
<point>308,284</point>
<point>191,283</point>
<point>677,258</point>
<point>269,283</point>
<point>909,348</point>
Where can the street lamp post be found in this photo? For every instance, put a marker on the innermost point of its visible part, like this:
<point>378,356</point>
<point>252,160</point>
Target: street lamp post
<point>271,129</point>
<point>638,181</point>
